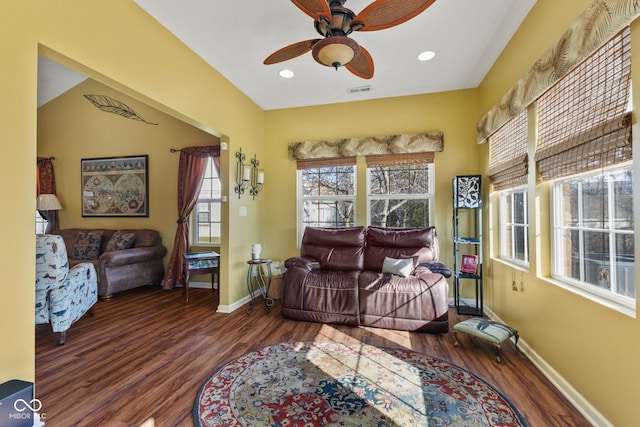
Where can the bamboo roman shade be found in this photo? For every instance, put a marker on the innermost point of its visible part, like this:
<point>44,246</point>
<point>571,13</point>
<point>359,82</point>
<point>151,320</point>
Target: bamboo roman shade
<point>584,121</point>
<point>380,160</point>
<point>508,159</point>
<point>325,162</point>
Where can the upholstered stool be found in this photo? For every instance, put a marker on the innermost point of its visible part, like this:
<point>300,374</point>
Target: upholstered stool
<point>488,330</point>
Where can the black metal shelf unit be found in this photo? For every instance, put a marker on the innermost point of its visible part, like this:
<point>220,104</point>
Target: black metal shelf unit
<point>467,244</point>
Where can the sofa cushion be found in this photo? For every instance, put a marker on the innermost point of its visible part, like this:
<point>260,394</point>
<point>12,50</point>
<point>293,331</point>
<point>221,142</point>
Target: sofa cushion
<point>401,267</point>
<point>417,243</point>
<point>336,249</point>
<point>120,240</point>
<point>87,245</point>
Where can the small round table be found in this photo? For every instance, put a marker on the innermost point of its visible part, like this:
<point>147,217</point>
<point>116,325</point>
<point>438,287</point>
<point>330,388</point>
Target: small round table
<point>255,270</point>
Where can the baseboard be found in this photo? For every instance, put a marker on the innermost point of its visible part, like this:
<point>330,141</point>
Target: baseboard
<point>199,285</point>
<point>585,408</point>
<point>225,308</point>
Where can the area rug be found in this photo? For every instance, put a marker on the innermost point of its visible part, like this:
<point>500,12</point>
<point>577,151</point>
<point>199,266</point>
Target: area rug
<point>325,383</point>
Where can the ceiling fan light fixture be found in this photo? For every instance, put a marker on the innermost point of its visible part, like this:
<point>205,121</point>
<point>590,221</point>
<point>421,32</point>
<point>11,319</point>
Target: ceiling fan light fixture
<point>335,51</point>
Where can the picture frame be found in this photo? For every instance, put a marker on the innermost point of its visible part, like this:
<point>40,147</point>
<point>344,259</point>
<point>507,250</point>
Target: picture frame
<point>115,186</point>
<point>469,264</point>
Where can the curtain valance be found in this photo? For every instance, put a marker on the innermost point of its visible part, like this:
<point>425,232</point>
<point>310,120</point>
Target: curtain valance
<point>350,147</point>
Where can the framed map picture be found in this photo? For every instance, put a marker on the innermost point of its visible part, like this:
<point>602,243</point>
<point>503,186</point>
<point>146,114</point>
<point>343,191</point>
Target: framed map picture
<point>115,186</point>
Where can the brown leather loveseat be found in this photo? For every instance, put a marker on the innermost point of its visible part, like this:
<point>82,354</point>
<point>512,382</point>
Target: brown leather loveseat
<point>124,259</point>
<point>370,276</point>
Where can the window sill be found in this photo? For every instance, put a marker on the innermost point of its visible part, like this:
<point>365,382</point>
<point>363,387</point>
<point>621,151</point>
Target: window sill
<point>628,309</point>
<point>513,264</point>
<point>206,245</point>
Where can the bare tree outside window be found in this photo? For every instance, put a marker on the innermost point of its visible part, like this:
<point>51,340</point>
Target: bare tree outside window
<point>400,196</point>
<point>328,196</point>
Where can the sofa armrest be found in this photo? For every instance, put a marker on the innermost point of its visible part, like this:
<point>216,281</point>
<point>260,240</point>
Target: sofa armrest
<point>133,255</point>
<point>303,262</point>
<point>437,267</point>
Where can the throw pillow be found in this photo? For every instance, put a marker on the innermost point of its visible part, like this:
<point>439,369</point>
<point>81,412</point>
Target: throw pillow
<point>88,245</point>
<point>120,240</point>
<point>400,267</point>
<point>415,258</point>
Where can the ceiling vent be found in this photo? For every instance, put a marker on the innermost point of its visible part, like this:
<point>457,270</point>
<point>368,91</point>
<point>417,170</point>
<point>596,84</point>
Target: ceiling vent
<point>359,89</point>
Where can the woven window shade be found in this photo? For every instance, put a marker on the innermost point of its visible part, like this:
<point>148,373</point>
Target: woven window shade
<point>326,162</point>
<point>399,159</point>
<point>508,154</point>
<point>583,122</point>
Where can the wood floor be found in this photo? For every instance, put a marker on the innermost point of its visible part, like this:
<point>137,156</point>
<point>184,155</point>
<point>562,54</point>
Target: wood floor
<point>142,358</point>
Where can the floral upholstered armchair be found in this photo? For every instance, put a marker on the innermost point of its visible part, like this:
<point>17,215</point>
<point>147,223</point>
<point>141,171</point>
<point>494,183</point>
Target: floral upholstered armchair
<point>63,295</point>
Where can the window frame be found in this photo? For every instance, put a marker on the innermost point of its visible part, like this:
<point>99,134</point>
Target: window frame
<point>507,220</point>
<point>193,221</point>
<point>40,223</point>
<point>301,198</point>
<point>603,296</point>
<point>430,194</point>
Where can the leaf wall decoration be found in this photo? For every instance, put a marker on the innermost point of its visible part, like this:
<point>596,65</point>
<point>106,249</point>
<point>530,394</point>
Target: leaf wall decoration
<point>110,105</point>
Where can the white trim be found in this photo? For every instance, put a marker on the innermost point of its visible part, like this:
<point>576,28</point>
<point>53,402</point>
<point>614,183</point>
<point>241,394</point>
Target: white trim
<point>567,390</point>
<point>225,308</point>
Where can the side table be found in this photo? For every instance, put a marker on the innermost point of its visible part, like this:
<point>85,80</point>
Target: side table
<point>256,271</point>
<point>200,263</point>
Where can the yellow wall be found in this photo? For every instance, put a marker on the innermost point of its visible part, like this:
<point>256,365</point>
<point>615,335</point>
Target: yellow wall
<point>454,113</point>
<point>70,128</point>
<point>140,59</point>
<point>592,347</point>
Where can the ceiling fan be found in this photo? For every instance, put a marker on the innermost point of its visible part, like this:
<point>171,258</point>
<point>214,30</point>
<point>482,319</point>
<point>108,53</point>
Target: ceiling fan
<point>335,23</point>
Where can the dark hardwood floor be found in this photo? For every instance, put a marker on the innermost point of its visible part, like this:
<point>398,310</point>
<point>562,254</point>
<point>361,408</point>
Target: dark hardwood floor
<point>144,355</point>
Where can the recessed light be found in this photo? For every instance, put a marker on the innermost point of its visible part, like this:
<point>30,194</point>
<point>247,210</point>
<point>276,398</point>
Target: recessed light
<point>286,74</point>
<point>426,55</point>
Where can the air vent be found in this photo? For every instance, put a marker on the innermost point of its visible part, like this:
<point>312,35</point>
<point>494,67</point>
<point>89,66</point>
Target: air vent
<point>359,89</point>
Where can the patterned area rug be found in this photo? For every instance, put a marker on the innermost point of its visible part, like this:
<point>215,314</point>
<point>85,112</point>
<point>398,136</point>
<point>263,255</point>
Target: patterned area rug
<point>324,383</point>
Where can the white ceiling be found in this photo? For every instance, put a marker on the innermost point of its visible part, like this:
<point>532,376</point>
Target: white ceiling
<point>234,37</point>
<point>54,79</point>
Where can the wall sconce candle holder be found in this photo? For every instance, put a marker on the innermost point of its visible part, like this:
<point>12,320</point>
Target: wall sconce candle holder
<point>243,174</point>
<point>257,178</point>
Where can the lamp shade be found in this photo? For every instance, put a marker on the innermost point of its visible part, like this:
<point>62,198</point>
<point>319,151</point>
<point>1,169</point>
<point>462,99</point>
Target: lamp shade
<point>335,51</point>
<point>48,202</point>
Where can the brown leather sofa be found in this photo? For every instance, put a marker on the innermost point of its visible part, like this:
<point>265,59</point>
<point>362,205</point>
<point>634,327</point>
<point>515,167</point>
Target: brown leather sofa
<point>136,263</point>
<point>338,278</point>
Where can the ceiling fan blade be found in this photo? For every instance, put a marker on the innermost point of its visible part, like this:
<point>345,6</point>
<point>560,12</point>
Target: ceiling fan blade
<point>290,52</point>
<point>314,8</point>
<point>362,65</point>
<point>383,14</point>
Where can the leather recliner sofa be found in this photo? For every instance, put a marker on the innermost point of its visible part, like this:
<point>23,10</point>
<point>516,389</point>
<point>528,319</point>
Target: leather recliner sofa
<point>341,277</point>
<point>119,268</point>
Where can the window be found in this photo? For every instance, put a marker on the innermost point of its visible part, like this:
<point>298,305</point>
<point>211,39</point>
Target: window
<point>41,224</point>
<point>514,226</point>
<point>326,196</point>
<point>584,150</point>
<point>593,233</point>
<point>400,195</point>
<point>206,215</point>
